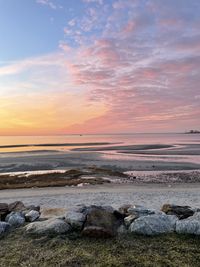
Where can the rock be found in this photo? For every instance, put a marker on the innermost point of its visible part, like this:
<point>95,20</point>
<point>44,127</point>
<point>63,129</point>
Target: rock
<point>52,226</point>
<point>75,219</point>
<point>100,222</point>
<point>108,208</point>
<point>4,227</point>
<point>129,219</point>
<point>154,224</point>
<point>124,209</point>
<point>122,230</point>
<point>182,212</point>
<point>32,215</point>
<point>3,210</point>
<point>79,208</point>
<point>188,227</point>
<point>86,210</point>
<point>191,225</point>
<point>32,207</point>
<point>52,212</point>
<point>141,211</point>
<point>196,216</point>
<point>15,219</point>
<point>16,206</point>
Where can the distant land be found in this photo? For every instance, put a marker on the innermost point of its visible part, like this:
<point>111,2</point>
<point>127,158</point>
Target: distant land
<point>193,132</point>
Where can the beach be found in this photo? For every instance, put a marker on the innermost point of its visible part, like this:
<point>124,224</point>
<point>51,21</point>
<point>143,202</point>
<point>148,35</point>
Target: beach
<point>152,196</point>
<point>99,171</point>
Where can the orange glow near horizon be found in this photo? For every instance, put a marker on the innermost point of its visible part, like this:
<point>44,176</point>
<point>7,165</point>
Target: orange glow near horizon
<point>97,66</point>
<point>40,115</point>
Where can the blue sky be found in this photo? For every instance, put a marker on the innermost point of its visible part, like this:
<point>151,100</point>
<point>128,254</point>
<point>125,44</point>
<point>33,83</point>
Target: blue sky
<point>99,66</point>
<point>28,28</point>
<point>31,27</point>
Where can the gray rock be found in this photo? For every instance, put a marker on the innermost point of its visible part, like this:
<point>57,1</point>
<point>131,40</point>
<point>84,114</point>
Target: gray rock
<point>154,224</point>
<point>4,227</point>
<point>196,216</point>
<point>79,208</point>
<point>141,211</point>
<point>15,219</point>
<point>191,225</point>
<point>75,219</point>
<point>122,230</point>
<point>129,219</point>
<point>49,227</point>
<point>32,216</point>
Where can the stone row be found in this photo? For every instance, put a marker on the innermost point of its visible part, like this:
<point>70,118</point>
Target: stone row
<point>102,221</point>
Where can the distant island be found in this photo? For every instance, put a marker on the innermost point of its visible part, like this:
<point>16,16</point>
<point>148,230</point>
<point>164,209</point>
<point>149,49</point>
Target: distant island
<point>193,132</point>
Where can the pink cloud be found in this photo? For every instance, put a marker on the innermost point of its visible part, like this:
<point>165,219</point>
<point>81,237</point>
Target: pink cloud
<point>138,70</point>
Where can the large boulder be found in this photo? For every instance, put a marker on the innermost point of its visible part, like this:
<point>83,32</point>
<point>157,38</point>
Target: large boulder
<point>3,210</point>
<point>32,216</point>
<point>182,212</point>
<point>100,222</point>
<point>52,226</point>
<point>75,219</point>
<point>190,225</point>
<point>15,219</point>
<point>4,227</point>
<point>87,209</point>
<point>154,224</point>
<point>16,206</point>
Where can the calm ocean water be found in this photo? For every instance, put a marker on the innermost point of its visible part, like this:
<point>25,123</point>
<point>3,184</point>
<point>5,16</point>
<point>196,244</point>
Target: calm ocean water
<point>134,139</point>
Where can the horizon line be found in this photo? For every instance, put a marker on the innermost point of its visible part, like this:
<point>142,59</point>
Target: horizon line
<point>82,134</point>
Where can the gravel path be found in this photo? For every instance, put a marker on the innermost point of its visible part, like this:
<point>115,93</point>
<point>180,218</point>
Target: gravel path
<point>153,196</point>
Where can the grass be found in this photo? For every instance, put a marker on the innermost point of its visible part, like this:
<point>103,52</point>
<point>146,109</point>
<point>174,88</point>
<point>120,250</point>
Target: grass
<point>18,249</point>
<point>68,178</point>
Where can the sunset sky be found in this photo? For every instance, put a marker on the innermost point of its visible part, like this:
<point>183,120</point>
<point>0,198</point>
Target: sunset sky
<point>99,66</point>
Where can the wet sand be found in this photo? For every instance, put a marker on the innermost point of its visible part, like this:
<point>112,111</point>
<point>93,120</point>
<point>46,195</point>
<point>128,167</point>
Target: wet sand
<point>13,162</point>
<point>149,194</point>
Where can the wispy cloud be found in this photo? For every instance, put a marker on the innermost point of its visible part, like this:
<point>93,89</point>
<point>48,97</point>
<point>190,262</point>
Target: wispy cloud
<point>122,66</point>
<point>144,69</point>
<point>49,4</point>
<point>12,68</point>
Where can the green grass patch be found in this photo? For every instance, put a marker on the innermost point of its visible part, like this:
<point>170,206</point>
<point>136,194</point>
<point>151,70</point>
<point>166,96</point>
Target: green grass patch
<point>18,249</point>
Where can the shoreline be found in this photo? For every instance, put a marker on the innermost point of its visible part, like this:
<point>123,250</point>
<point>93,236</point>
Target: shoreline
<point>152,196</point>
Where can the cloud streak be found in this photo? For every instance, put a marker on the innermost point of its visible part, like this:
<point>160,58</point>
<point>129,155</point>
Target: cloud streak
<point>145,77</point>
<point>122,66</point>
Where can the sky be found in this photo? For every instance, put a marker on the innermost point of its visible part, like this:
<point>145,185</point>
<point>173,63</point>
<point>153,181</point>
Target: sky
<point>99,66</point>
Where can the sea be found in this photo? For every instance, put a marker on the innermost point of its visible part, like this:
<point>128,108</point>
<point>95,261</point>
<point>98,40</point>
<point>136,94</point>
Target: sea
<point>68,142</point>
<point>186,150</point>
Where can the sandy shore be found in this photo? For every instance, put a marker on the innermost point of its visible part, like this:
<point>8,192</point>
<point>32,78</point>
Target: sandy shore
<point>152,196</point>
